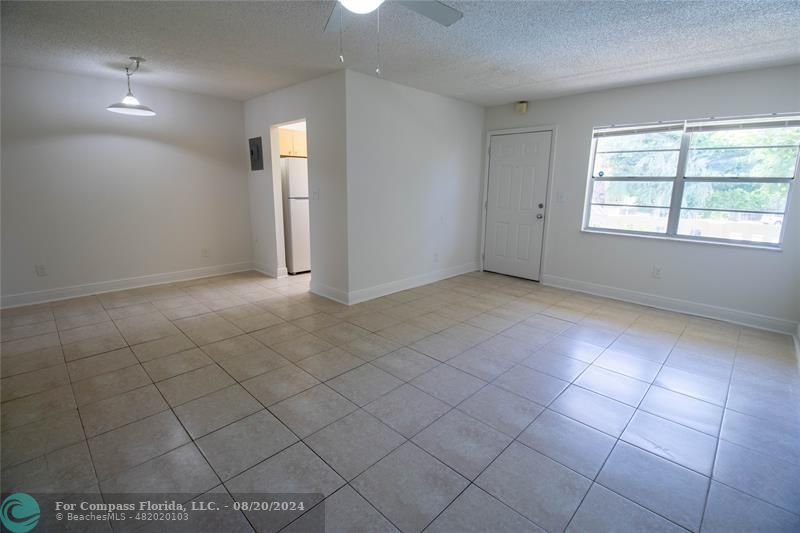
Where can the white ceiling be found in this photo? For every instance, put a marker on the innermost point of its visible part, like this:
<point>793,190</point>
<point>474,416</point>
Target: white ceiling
<point>499,52</point>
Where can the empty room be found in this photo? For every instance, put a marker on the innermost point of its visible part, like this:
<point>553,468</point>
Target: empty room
<point>365,266</point>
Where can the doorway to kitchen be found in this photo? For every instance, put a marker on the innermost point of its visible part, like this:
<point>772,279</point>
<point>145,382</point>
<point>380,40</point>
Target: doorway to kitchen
<point>293,148</point>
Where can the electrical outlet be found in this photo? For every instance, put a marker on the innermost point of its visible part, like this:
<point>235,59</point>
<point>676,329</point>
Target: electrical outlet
<point>204,252</point>
<point>656,272</point>
<point>40,270</point>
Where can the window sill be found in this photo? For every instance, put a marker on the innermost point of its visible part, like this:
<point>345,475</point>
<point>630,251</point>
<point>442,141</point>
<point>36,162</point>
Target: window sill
<point>767,247</point>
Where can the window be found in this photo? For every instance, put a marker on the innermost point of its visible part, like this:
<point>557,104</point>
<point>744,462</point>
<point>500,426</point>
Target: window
<point>719,181</point>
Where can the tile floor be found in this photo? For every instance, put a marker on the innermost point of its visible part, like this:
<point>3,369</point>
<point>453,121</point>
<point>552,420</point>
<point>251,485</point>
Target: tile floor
<point>479,403</point>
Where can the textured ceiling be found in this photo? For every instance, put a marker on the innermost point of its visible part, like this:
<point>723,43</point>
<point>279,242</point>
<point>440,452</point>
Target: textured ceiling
<point>499,52</point>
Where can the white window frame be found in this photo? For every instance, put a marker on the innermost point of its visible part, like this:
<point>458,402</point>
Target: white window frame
<point>688,127</point>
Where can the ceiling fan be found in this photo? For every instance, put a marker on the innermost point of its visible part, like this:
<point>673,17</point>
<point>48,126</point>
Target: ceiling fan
<point>436,11</point>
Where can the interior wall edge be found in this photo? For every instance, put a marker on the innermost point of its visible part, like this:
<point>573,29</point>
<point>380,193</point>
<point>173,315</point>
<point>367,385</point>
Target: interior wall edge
<point>376,291</point>
<point>331,293</point>
<point>797,345</point>
<point>742,318</point>
<point>88,289</point>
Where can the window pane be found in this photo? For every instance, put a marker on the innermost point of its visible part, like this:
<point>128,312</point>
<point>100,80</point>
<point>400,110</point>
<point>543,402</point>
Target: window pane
<point>634,193</point>
<point>736,196</point>
<point>741,163</point>
<point>755,153</point>
<point>636,164</point>
<point>731,225</point>
<point>740,138</point>
<point>653,220</point>
<point>666,140</point>
<point>647,155</point>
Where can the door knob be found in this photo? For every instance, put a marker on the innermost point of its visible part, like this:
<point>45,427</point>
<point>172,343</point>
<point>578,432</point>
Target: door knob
<point>541,206</point>
<point>540,215</point>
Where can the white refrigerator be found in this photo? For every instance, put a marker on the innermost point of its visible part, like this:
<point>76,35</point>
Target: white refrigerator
<point>296,225</point>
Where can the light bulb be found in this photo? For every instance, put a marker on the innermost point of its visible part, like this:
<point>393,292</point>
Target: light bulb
<point>362,7</point>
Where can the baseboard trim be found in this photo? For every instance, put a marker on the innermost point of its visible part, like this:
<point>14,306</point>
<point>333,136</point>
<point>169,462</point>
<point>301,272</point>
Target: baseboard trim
<point>74,291</point>
<point>282,272</point>
<point>673,304</point>
<point>328,292</point>
<point>370,293</point>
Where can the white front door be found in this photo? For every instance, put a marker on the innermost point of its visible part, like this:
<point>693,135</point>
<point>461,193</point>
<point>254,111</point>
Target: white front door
<point>519,164</point>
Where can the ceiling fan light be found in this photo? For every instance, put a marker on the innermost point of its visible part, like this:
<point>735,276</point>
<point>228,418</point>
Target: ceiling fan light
<point>130,105</point>
<point>361,7</point>
<point>129,109</point>
<point>130,100</point>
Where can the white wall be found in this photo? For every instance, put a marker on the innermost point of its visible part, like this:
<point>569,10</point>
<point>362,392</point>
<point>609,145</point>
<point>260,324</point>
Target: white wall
<point>413,186</point>
<point>321,102</point>
<point>98,197</point>
<point>753,286</point>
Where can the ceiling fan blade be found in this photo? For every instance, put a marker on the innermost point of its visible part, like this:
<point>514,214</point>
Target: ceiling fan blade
<point>333,20</point>
<point>436,11</point>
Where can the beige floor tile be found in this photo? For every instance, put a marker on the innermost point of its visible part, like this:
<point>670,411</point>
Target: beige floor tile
<point>407,410</point>
<point>215,410</point>
<point>29,344</point>
<point>93,346</point>
<point>364,384</point>
<point>194,384</point>
<point>36,406</point>
<point>27,442</point>
<point>294,470</point>
<point>329,364</point>
<point>12,365</point>
<point>179,474</point>
<point>463,443</point>
<point>110,384</point>
<point>70,336</point>
<point>500,409</point>
<point>120,410</point>
<point>475,511</point>
<point>531,384</point>
<point>410,487</point>
<point>301,346</point>
<point>252,364</point>
<point>162,347</point>
<point>537,487</point>
<point>370,347</point>
<point>404,333</point>
<point>312,410</point>
<point>405,363</point>
<point>604,511</point>
<point>232,347</point>
<point>64,470</point>
<point>661,486</point>
<point>30,330</point>
<point>142,328</point>
<point>245,443</point>
<point>208,328</point>
<point>344,510</point>
<point>32,382</point>
<point>277,385</point>
<point>100,364</point>
<point>354,443</point>
<point>448,384</point>
<point>176,364</point>
<point>116,451</point>
<point>568,442</point>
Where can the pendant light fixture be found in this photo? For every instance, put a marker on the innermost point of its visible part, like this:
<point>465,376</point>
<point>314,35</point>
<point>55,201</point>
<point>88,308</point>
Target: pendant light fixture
<point>130,105</point>
<point>362,7</point>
